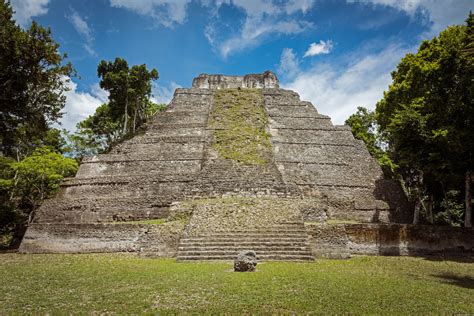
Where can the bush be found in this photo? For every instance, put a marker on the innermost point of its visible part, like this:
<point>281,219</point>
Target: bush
<point>453,210</point>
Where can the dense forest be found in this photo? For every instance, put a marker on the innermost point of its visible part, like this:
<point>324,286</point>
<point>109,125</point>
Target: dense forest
<point>422,131</point>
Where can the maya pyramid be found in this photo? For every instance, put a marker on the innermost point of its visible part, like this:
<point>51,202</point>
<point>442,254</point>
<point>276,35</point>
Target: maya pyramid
<point>233,162</point>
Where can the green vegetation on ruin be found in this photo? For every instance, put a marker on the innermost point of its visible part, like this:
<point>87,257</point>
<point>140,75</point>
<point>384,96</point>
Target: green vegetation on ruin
<point>240,123</point>
<point>159,221</point>
<point>341,221</point>
<point>127,284</point>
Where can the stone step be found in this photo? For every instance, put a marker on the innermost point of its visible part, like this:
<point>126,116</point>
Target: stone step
<point>267,231</point>
<point>300,230</point>
<point>301,247</point>
<point>259,257</point>
<point>256,233</point>
<point>249,244</point>
<point>242,239</point>
<point>233,254</point>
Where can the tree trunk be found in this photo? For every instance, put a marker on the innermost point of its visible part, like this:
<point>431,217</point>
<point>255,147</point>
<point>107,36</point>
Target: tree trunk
<point>468,214</point>
<point>125,120</point>
<point>416,214</point>
<point>430,208</point>
<point>135,116</point>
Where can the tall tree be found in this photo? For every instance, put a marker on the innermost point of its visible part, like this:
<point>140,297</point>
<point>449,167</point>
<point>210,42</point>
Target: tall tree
<point>468,82</point>
<point>101,130</point>
<point>140,89</point>
<point>115,79</point>
<point>32,81</point>
<point>129,88</point>
<point>427,115</point>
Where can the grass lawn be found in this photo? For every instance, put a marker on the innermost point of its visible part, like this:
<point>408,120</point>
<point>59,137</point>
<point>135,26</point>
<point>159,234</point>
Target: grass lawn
<point>123,283</point>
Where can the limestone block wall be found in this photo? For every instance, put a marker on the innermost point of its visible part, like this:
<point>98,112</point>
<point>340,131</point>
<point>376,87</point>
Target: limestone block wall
<point>342,240</point>
<point>173,160</point>
<point>160,239</point>
<point>265,80</point>
<point>326,162</point>
<point>140,177</point>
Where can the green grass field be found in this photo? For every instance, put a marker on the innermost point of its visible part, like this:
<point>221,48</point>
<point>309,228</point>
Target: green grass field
<point>124,284</point>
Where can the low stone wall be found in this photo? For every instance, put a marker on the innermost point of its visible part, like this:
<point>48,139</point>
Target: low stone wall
<point>342,240</point>
<point>159,240</point>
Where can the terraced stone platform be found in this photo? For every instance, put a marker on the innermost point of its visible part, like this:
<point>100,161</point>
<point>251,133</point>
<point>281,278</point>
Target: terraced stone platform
<point>287,241</point>
<point>281,150</point>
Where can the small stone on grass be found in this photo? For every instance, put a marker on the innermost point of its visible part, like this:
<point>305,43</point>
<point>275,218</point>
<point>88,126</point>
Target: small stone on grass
<point>246,261</point>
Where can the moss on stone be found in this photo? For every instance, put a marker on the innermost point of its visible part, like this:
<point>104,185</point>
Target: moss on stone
<point>159,221</point>
<point>240,126</point>
<point>341,221</point>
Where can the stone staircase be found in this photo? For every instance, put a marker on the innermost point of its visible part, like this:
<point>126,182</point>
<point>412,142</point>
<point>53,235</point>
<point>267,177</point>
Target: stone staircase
<point>286,242</point>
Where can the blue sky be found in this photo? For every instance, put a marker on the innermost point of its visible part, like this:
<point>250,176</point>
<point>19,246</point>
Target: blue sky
<point>338,54</point>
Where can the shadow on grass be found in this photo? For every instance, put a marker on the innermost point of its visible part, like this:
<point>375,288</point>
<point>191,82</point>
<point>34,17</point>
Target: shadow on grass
<point>455,257</point>
<point>461,281</point>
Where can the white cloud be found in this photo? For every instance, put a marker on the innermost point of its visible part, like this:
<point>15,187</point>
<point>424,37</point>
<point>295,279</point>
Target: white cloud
<point>262,18</point>
<point>100,93</point>
<point>165,12</point>
<point>338,93</point>
<point>256,30</point>
<point>293,6</point>
<point>439,13</point>
<point>289,64</point>
<point>81,26</point>
<point>163,94</point>
<point>323,47</point>
<point>25,9</point>
<point>79,105</point>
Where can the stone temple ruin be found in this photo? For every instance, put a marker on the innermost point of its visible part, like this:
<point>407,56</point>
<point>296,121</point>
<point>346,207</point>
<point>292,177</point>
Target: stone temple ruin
<point>235,163</point>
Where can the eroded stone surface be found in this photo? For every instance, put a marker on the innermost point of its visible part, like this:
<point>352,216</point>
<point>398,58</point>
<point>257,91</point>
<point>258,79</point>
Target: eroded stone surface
<point>265,80</point>
<point>315,171</point>
<point>246,261</point>
<point>342,240</point>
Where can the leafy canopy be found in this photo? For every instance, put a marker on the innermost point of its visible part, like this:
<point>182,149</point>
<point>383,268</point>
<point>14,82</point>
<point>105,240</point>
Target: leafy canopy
<point>39,175</point>
<point>32,80</point>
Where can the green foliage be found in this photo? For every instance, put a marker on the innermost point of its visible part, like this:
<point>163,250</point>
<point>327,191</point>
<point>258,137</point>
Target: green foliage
<point>128,109</point>
<point>452,210</point>
<point>152,109</point>
<point>364,127</point>
<point>468,49</point>
<point>32,80</point>
<point>129,91</point>
<point>38,176</point>
<point>128,284</point>
<point>427,114</point>
<point>26,183</point>
<point>159,221</point>
<point>240,123</point>
<point>100,131</point>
